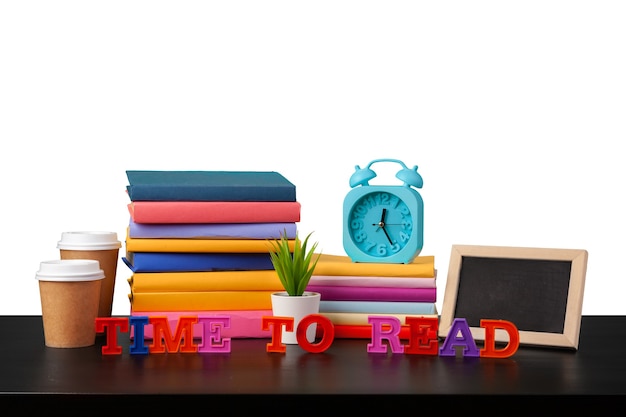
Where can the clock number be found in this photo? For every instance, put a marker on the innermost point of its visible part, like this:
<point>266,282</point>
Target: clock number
<point>357,223</point>
<point>361,210</point>
<point>360,236</point>
<point>393,201</point>
<point>405,211</point>
<point>404,237</point>
<point>395,247</point>
<point>381,249</point>
<point>369,245</point>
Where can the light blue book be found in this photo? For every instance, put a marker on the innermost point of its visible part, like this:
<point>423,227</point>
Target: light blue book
<point>377,307</point>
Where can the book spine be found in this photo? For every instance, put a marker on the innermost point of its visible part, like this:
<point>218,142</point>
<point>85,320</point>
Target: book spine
<point>206,300</point>
<point>205,192</point>
<point>334,265</point>
<point>214,212</point>
<point>196,262</point>
<point>212,230</point>
<point>243,323</point>
<point>377,307</point>
<point>361,332</point>
<point>205,281</point>
<point>348,281</point>
<point>330,293</point>
<point>361,319</point>
<point>201,245</point>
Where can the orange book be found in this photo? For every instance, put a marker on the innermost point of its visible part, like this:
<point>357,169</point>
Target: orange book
<point>201,300</point>
<point>141,245</point>
<point>252,280</point>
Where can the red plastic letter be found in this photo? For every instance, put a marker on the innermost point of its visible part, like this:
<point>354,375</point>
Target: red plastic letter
<point>423,336</point>
<point>277,323</point>
<point>161,332</point>
<point>489,350</point>
<point>328,333</point>
<point>110,326</point>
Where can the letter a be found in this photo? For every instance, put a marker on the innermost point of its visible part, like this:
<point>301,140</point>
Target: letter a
<point>459,326</point>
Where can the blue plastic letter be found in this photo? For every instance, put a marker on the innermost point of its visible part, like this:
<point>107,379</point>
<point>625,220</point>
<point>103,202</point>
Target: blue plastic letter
<point>137,324</point>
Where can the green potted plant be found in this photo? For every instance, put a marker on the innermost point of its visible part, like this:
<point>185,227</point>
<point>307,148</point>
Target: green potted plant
<point>294,269</point>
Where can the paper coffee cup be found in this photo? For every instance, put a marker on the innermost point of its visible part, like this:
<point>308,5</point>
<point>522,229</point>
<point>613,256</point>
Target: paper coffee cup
<point>70,296</point>
<point>102,247</point>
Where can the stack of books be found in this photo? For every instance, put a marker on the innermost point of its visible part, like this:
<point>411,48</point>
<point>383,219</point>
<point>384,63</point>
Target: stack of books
<point>198,243</point>
<point>351,292</point>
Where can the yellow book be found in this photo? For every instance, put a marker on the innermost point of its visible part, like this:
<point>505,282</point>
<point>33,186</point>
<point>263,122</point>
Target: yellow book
<point>204,300</point>
<point>200,245</point>
<point>422,266</point>
<point>248,280</point>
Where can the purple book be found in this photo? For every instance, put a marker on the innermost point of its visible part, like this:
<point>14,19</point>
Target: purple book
<point>211,230</point>
<point>345,293</point>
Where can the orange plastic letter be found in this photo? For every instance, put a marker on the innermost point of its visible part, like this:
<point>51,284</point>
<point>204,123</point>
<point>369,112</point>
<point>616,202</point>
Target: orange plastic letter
<point>423,336</point>
<point>277,323</point>
<point>489,350</point>
<point>110,325</point>
<point>161,332</point>
<point>328,333</point>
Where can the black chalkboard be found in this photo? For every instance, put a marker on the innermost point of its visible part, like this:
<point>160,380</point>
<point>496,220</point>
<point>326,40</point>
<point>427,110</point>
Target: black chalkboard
<point>538,290</point>
<point>531,293</point>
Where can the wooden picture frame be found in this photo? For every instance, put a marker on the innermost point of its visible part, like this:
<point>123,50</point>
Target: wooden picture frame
<point>539,290</point>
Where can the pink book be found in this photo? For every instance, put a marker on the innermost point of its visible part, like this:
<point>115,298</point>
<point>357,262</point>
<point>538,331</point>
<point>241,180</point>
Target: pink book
<point>364,281</point>
<point>345,293</point>
<point>214,211</point>
<point>243,323</point>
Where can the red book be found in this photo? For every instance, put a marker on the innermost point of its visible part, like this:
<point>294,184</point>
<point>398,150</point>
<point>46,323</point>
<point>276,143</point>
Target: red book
<point>347,331</point>
<point>214,211</point>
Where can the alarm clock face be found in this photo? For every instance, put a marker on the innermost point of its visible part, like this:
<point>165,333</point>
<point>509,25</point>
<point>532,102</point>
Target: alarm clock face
<point>381,227</point>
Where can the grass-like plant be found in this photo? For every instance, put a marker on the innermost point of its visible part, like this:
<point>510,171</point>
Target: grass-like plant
<point>294,269</point>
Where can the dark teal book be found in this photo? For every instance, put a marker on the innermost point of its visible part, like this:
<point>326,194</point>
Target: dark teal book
<point>209,186</point>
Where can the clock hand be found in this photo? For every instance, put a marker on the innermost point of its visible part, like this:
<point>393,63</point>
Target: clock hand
<point>381,224</point>
<point>387,234</point>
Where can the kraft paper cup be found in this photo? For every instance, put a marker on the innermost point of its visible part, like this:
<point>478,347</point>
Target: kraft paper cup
<point>70,295</point>
<point>100,246</point>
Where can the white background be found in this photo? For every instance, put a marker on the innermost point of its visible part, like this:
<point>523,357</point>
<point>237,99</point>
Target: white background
<point>513,111</point>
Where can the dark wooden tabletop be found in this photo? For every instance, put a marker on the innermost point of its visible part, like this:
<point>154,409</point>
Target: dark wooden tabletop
<point>30,370</point>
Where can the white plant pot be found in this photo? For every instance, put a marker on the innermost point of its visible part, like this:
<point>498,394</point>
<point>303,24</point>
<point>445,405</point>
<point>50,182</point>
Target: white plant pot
<point>297,307</point>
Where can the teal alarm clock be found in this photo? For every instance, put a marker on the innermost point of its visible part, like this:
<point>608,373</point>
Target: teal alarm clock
<point>383,223</point>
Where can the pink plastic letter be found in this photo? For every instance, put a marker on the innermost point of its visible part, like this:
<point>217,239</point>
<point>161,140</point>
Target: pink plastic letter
<point>212,334</point>
<point>391,334</point>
